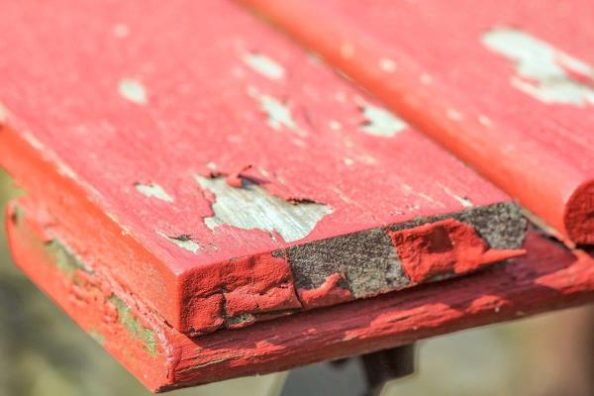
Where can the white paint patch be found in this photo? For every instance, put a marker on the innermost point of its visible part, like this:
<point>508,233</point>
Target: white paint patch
<point>153,190</point>
<point>279,114</point>
<point>265,65</point>
<point>543,71</point>
<point>132,90</point>
<point>252,207</point>
<point>183,241</point>
<point>381,122</point>
<point>387,65</point>
<point>464,201</point>
<point>429,198</point>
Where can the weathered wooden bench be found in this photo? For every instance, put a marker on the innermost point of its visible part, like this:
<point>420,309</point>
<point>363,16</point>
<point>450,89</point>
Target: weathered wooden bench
<point>209,200</point>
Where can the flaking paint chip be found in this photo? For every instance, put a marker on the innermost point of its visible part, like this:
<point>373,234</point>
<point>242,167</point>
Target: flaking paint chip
<point>279,114</point>
<point>543,71</point>
<point>462,200</point>
<point>265,66</point>
<point>381,122</point>
<point>183,241</point>
<point>252,207</point>
<point>153,190</point>
<point>133,91</point>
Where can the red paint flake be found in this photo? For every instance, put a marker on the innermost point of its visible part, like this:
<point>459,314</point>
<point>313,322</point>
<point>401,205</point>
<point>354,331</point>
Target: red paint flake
<point>255,285</point>
<point>204,314</point>
<point>444,247</point>
<point>329,293</point>
<point>259,285</point>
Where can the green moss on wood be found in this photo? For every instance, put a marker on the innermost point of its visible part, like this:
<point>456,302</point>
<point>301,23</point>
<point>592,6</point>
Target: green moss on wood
<point>133,325</point>
<point>64,258</point>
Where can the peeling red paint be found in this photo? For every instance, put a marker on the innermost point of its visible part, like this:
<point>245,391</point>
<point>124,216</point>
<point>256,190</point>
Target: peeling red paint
<point>168,135</point>
<point>447,246</point>
<point>548,277</point>
<point>204,314</point>
<point>87,295</point>
<point>235,179</point>
<point>537,151</point>
<point>248,299</point>
<point>254,285</point>
<point>329,293</point>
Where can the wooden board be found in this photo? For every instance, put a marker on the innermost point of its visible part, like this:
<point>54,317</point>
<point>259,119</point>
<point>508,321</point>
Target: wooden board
<point>549,277</point>
<point>508,86</point>
<point>221,175</point>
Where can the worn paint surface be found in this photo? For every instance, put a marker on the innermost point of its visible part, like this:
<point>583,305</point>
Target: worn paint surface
<point>543,71</point>
<point>506,86</point>
<point>184,241</point>
<point>278,113</point>
<point>84,286</point>
<point>153,190</point>
<point>63,257</point>
<point>128,319</point>
<point>133,91</point>
<point>154,111</point>
<point>432,250</point>
<point>548,277</point>
<point>381,122</point>
<point>250,206</point>
<point>265,65</point>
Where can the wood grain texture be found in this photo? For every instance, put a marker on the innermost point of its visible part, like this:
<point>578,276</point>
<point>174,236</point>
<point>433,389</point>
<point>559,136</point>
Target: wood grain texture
<point>507,86</point>
<point>197,155</point>
<point>549,277</point>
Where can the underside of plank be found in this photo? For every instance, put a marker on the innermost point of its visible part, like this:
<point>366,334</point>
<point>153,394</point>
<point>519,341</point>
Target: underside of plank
<point>549,277</point>
<point>508,86</point>
<point>219,173</point>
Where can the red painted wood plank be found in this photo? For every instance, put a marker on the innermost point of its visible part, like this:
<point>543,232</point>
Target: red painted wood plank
<point>549,277</point>
<point>220,174</point>
<point>507,86</point>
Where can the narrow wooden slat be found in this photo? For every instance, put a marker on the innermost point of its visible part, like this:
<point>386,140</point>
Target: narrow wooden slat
<point>549,277</point>
<point>221,175</point>
<point>508,86</point>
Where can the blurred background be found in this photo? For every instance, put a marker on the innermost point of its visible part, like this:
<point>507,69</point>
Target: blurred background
<point>43,353</point>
